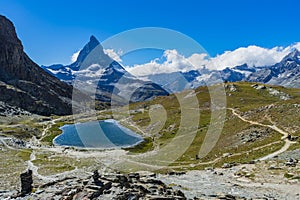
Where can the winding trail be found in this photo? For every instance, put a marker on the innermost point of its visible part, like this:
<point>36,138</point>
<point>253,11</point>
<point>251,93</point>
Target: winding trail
<point>280,151</point>
<point>5,144</point>
<point>51,178</point>
<point>34,168</point>
<point>49,125</point>
<point>199,163</point>
<point>132,124</point>
<point>274,127</point>
<point>285,134</point>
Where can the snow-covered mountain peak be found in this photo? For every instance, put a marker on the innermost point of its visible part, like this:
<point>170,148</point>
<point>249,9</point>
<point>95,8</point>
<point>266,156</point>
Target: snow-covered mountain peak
<point>94,69</point>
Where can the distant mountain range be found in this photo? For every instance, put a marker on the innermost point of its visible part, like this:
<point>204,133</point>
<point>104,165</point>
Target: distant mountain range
<point>285,73</point>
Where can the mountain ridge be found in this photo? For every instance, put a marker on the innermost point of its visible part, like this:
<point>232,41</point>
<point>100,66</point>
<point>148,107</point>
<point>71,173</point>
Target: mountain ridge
<point>284,73</point>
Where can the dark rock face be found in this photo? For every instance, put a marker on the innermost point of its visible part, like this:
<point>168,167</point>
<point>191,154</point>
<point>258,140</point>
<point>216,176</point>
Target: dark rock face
<point>26,183</point>
<point>23,83</point>
<point>92,44</point>
<point>231,75</point>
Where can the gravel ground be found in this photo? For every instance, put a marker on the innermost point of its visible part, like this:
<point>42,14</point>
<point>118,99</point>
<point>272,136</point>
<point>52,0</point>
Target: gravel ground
<point>207,184</point>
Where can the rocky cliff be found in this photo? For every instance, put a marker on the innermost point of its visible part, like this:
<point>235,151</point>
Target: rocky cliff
<point>23,83</point>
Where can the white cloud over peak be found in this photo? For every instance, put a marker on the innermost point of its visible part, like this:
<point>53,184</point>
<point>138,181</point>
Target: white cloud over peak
<point>251,55</point>
<point>113,54</point>
<point>75,56</point>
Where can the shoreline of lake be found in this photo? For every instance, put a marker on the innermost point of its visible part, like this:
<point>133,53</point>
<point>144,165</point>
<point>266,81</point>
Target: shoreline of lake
<point>125,130</point>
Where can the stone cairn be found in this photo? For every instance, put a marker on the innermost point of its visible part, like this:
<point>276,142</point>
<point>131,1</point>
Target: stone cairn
<point>26,183</point>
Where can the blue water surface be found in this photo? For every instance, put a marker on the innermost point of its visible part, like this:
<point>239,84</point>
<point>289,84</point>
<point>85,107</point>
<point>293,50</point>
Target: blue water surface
<point>97,134</point>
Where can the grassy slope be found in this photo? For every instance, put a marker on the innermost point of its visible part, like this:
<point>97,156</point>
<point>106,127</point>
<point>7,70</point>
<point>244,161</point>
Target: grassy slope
<point>248,101</point>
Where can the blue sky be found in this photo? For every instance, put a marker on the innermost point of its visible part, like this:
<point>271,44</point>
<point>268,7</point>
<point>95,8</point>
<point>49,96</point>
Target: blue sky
<point>51,31</point>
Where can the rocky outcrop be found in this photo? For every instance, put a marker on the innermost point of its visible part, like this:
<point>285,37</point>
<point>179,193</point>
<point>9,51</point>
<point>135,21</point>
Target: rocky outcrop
<point>7,110</point>
<point>103,186</point>
<point>23,83</point>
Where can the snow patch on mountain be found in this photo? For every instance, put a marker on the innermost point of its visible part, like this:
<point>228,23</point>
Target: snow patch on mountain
<point>93,71</point>
<point>113,54</point>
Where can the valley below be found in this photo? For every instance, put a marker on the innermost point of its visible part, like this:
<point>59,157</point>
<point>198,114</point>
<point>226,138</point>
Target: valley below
<point>255,157</point>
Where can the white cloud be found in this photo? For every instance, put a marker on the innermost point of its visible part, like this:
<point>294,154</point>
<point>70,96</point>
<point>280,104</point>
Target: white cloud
<point>113,54</point>
<point>199,60</point>
<point>252,55</point>
<point>75,56</point>
<point>174,62</point>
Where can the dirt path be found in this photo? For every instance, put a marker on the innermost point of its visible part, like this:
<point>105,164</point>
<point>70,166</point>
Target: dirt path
<point>274,127</point>
<point>2,140</point>
<point>49,125</point>
<point>285,134</point>
<point>34,168</point>
<point>200,163</point>
<point>276,153</point>
<point>51,178</point>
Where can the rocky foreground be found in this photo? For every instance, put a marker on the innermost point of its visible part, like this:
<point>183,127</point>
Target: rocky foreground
<point>133,186</point>
<point>236,182</point>
<point>109,186</point>
<point>276,178</point>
